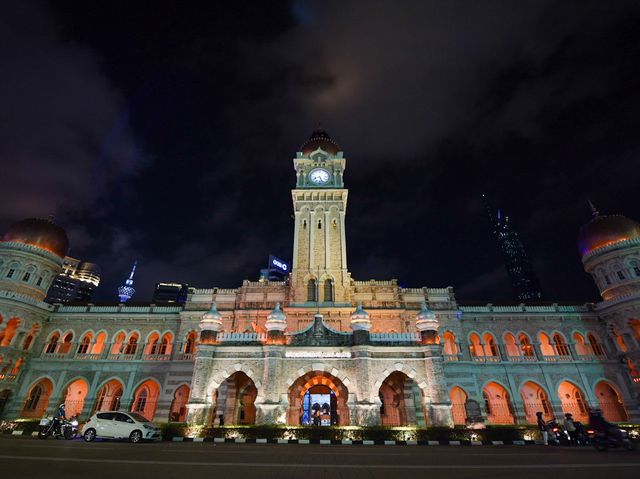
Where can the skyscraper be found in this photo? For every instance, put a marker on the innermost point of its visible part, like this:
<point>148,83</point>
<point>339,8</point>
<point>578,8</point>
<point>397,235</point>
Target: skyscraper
<point>170,293</point>
<point>522,277</point>
<point>76,283</point>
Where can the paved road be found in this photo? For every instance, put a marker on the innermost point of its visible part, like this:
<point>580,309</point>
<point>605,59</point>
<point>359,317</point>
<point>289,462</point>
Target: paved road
<point>26,457</point>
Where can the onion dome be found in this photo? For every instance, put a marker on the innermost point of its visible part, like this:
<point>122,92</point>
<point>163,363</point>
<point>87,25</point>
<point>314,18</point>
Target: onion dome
<point>360,319</point>
<point>426,319</point>
<point>211,320</point>
<point>41,233</point>
<point>606,230</point>
<point>320,139</point>
<point>276,320</point>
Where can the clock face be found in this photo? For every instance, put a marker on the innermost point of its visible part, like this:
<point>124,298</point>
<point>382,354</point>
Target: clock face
<point>319,176</point>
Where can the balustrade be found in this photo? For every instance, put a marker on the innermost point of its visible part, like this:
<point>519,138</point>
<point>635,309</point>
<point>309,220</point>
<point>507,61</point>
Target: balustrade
<point>125,353</point>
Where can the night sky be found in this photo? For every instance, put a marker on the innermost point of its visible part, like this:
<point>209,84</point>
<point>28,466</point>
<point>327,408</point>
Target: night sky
<point>166,132</point>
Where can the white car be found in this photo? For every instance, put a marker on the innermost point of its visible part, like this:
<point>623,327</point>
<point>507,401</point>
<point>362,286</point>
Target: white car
<point>120,425</point>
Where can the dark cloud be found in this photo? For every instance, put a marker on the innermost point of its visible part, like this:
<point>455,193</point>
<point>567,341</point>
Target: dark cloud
<point>63,134</point>
<point>433,102</point>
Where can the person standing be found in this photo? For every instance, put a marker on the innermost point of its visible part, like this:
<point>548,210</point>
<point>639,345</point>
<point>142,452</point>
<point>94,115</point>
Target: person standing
<point>542,426</point>
<point>570,427</point>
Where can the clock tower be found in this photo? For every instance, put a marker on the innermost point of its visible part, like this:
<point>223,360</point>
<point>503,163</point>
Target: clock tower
<point>319,274</point>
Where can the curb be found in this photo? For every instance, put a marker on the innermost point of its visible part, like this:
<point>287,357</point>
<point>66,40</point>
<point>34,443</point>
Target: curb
<point>327,442</point>
<point>350,442</point>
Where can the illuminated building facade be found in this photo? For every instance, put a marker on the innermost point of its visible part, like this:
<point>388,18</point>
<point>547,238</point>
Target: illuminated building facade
<point>76,282</point>
<point>321,347</point>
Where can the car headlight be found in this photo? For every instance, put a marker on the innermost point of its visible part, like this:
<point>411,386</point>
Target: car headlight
<point>146,426</point>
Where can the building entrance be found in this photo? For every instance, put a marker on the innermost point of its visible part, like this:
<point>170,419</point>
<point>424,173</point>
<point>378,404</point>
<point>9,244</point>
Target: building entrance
<point>319,407</point>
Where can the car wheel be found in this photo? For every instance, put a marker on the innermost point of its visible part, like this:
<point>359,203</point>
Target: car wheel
<point>89,435</point>
<point>135,436</point>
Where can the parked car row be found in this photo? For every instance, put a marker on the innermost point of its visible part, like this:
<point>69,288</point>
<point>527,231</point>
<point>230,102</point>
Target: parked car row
<point>104,424</point>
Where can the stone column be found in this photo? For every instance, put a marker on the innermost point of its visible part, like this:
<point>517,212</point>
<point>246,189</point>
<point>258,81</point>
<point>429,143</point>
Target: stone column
<point>437,401</point>
<point>269,406</point>
<point>199,405</point>
<point>365,410</point>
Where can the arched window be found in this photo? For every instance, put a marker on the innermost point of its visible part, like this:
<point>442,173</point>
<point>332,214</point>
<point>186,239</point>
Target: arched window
<point>546,347</point>
<point>141,401</point>
<point>34,398</point>
<point>328,291</point>
<point>65,347</point>
<point>475,345</point>
<point>561,346</point>
<point>596,347</point>
<point>525,345</point>
<point>132,345</point>
<point>190,343</point>
<point>311,290</point>
<point>83,347</point>
<point>490,347</point>
<point>27,342</point>
<point>450,346</point>
<point>53,344</point>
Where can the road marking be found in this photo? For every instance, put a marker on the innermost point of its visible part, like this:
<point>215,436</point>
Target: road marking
<point>327,466</point>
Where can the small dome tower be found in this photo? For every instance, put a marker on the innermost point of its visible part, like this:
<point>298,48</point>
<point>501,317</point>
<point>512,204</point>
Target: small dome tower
<point>31,255</point>
<point>610,250</point>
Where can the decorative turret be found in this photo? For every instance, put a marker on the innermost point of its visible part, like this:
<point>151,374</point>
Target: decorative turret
<point>360,324</point>
<point>210,325</point>
<point>276,324</point>
<point>31,255</point>
<point>427,324</point>
<point>610,247</point>
<point>126,291</point>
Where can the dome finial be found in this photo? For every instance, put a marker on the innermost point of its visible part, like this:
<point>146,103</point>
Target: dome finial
<point>594,212</point>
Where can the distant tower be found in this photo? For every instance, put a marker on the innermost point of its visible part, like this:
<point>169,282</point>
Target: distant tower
<point>522,277</point>
<point>126,291</point>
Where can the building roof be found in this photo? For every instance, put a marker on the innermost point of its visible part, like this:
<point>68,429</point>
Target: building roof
<point>42,233</point>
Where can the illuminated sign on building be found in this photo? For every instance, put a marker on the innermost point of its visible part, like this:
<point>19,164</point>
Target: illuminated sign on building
<point>278,265</point>
<point>317,354</point>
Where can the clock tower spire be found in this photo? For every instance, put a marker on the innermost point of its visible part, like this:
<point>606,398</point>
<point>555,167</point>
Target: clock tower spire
<point>319,274</point>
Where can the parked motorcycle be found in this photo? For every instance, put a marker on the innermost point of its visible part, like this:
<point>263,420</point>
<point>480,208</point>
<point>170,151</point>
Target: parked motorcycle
<point>67,429</point>
<point>619,438</point>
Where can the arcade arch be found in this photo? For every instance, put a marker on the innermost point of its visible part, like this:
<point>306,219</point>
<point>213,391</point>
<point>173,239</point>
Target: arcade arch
<point>37,399</point>
<point>235,400</point>
<point>535,399</point>
<point>145,399</point>
<point>401,400</point>
<point>322,389</point>
<point>74,396</point>
<point>458,405</point>
<point>610,402</point>
<point>497,402</point>
<point>109,396</point>
<point>572,401</point>
<point>178,411</point>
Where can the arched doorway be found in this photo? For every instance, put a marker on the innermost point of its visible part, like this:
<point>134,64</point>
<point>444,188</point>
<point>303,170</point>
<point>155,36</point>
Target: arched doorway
<point>145,399</point>
<point>610,402</point>
<point>498,404</point>
<point>535,399</point>
<point>109,396</point>
<point>178,412</point>
<point>37,399</point>
<point>236,400</point>
<point>401,401</point>
<point>573,401</point>
<point>458,405</point>
<point>74,397</point>
<point>323,389</point>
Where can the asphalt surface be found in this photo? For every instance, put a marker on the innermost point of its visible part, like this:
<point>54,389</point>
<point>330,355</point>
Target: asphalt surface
<point>32,458</point>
